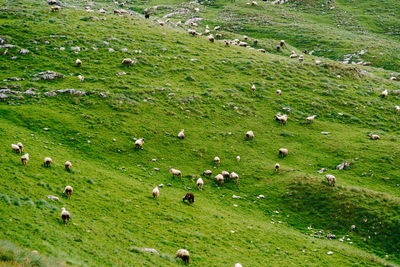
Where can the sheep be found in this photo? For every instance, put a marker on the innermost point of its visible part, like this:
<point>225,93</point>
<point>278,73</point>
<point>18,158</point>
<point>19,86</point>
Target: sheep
<point>147,16</point>
<point>254,3</point>
<point>283,152</point>
<point>78,63</point>
<point>310,118</point>
<point>192,32</point>
<point>261,50</point>
<point>207,31</point>
<point>227,42</point>
<point>277,166</point>
<point>211,38</point>
<point>200,183</point>
<point>65,215</point>
<point>244,44</point>
<point>282,43</point>
<point>175,172</point>
<point>219,178</point>
<point>21,147</point>
<point>330,179</point>
<point>183,254</point>
<point>253,88</point>
<point>218,35</point>
<point>235,177</point>
<point>16,148</point>
<point>55,8</point>
<point>217,160</point>
<point>189,197</point>
<point>250,135</point>
<point>216,28</point>
<point>281,118</point>
<point>127,61</point>
<point>278,92</point>
<point>238,265</point>
<point>397,109</point>
<point>278,48</point>
<point>161,23</point>
<point>139,143</point>
<point>293,55</point>
<point>255,42</point>
<point>238,158</point>
<point>68,165</point>
<point>47,162</point>
<point>393,78</point>
<point>196,9</point>
<point>245,37</point>
<point>318,62</point>
<point>25,159</point>
<point>181,134</point>
<point>68,191</point>
<point>207,173</point>
<point>81,78</point>
<point>301,58</point>
<point>384,94</point>
<point>225,174</point>
<point>156,192</point>
<point>374,137</point>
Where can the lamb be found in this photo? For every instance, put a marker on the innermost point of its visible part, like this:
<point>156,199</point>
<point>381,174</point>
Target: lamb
<point>25,159</point>
<point>282,43</point>
<point>189,197</point>
<point>311,118</point>
<point>277,166</point>
<point>211,38</point>
<point>16,148</point>
<point>384,94</point>
<point>374,137</point>
<point>68,191</point>
<point>175,172</point>
<point>127,61</point>
<point>207,173</point>
<point>68,165</point>
<point>81,78</point>
<point>330,179</point>
<point>21,147</point>
<point>139,143</point>
<point>281,118</point>
<point>181,134</point>
<point>235,177</point>
<point>219,178</point>
<point>183,254</point>
<point>225,174</point>
<point>283,152</point>
<point>249,135</point>
<point>217,160</point>
<point>253,88</point>
<point>156,192</point>
<point>200,183</point>
<point>78,62</point>
<point>278,92</point>
<point>397,109</point>
<point>65,216</point>
<point>47,162</point>
<point>238,158</point>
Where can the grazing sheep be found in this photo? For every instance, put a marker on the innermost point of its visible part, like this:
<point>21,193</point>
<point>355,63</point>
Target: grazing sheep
<point>318,62</point>
<point>181,134</point>
<point>227,42</point>
<point>238,158</point>
<point>127,61</point>
<point>189,197</point>
<point>244,44</point>
<point>81,78</point>
<point>384,94</point>
<point>393,78</point>
<point>255,42</point>
<point>301,58</point>
<point>68,191</point>
<point>174,172</point>
<point>245,37</point>
<point>218,35</point>
<point>183,254</point>
<point>281,118</point>
<point>277,166</point>
<point>55,8</point>
<point>47,162</point>
<point>217,160</point>
<point>78,62</point>
<point>192,32</point>
<point>25,159</point>
<point>156,192</point>
<point>293,55</point>
<point>235,177</point>
<point>261,50</point>
<point>200,183</point>
<point>311,118</point>
<point>282,43</point>
<point>68,165</point>
<point>374,137</point>
<point>161,23</point>
<point>238,265</point>
<point>397,109</point>
<point>254,3</point>
<point>249,135</point>
<point>253,88</point>
<point>225,174</point>
<point>139,143</point>
<point>216,28</point>
<point>330,179</point>
<point>219,178</point>
<point>21,147</point>
<point>278,48</point>
<point>211,38</point>
<point>65,215</point>
<point>283,152</point>
<point>207,173</point>
<point>16,148</point>
<point>278,92</point>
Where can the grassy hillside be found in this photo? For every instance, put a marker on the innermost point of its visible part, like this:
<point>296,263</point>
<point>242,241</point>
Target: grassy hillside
<point>184,82</point>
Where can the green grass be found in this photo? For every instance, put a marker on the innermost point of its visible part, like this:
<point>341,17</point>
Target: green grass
<point>113,214</point>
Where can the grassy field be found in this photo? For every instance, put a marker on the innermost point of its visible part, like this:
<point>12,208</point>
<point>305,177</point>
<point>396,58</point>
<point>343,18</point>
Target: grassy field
<point>185,82</point>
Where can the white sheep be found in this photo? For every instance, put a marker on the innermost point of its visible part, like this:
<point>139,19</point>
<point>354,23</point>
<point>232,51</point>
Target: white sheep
<point>25,159</point>
<point>281,118</point>
<point>127,61</point>
<point>238,158</point>
<point>15,148</point>
<point>200,183</point>
<point>211,38</point>
<point>65,216</point>
<point>47,162</point>
<point>225,174</point>
<point>282,43</point>
<point>55,8</point>
<point>218,35</point>
<point>207,31</point>
<point>161,23</point>
<point>139,143</point>
<point>207,173</point>
<point>311,118</point>
<point>301,58</point>
<point>181,134</point>
<point>249,135</point>
<point>278,92</point>
<point>384,94</point>
<point>21,147</point>
<point>192,32</point>
<point>156,192</point>
<point>293,55</point>
<point>235,177</point>
<point>253,88</point>
<point>81,78</point>
<point>238,265</point>
<point>216,28</point>
<point>68,191</point>
<point>374,137</point>
<point>277,166</point>
<point>78,62</point>
<point>245,37</point>
<point>219,178</point>
<point>68,165</point>
<point>330,179</point>
<point>283,152</point>
<point>183,254</point>
<point>244,44</point>
<point>217,160</point>
<point>175,172</point>
<point>397,109</point>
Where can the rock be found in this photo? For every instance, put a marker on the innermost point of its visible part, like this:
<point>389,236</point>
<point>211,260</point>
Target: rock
<point>329,253</point>
<point>236,197</point>
<point>161,185</point>
<point>260,196</point>
<point>152,250</point>
<point>322,170</point>
<point>193,20</point>
<point>49,75</point>
<point>169,184</point>
<point>76,48</point>
<point>343,165</point>
<point>24,51</point>
<point>50,94</point>
<point>124,50</point>
<point>53,198</point>
<point>154,160</point>
<point>111,50</point>
<point>13,79</point>
<point>29,92</point>
<point>325,133</point>
<point>3,97</point>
